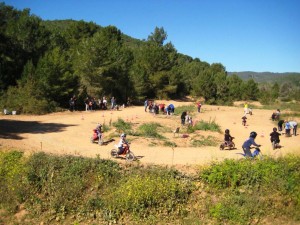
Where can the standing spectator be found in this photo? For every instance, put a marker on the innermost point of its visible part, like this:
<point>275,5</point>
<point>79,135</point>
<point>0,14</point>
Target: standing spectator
<point>75,102</point>
<point>71,104</point>
<point>112,102</point>
<point>199,106</point>
<point>294,126</point>
<point>190,122</point>
<point>183,115</point>
<point>280,124</point>
<point>146,105</point>
<point>104,103</point>
<point>87,102</point>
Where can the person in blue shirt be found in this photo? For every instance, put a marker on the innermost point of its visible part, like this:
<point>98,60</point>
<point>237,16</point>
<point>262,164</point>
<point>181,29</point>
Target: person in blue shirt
<point>248,143</point>
<point>287,128</point>
<point>146,105</point>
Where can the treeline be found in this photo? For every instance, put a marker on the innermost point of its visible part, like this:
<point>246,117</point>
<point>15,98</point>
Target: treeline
<point>44,63</point>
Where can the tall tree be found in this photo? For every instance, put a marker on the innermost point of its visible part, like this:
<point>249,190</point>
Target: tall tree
<point>102,62</point>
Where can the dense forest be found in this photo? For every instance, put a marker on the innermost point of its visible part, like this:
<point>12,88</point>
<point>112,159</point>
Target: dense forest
<point>44,63</point>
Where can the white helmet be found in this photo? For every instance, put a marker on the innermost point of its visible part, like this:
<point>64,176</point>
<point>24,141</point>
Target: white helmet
<point>123,135</point>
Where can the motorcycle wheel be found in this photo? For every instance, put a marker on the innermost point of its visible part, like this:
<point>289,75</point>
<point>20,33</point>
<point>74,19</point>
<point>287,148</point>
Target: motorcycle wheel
<point>130,156</point>
<point>232,146</point>
<point>114,153</point>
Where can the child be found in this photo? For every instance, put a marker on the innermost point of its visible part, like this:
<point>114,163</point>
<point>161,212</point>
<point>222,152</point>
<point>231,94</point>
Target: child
<point>287,129</point>
<point>182,117</point>
<point>190,121</point>
<point>227,137</point>
<point>280,124</point>
<point>244,120</point>
<point>99,130</point>
<point>247,144</point>
<point>123,144</point>
<point>275,136</point>
<point>199,107</point>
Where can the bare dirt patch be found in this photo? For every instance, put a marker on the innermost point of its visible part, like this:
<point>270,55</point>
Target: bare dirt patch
<point>70,132</point>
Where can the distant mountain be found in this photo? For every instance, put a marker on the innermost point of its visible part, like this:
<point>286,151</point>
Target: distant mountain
<point>268,77</point>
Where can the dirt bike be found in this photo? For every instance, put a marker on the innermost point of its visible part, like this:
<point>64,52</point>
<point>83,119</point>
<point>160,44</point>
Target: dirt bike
<point>227,144</point>
<point>95,138</point>
<point>127,153</point>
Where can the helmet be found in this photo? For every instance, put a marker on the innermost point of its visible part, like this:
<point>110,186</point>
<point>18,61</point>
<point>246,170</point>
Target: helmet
<point>226,131</point>
<point>123,135</point>
<point>253,134</point>
<point>274,129</point>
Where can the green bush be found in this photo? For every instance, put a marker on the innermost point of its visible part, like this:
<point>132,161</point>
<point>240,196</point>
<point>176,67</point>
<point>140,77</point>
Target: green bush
<point>122,126</point>
<point>188,108</point>
<point>12,171</point>
<point>203,125</point>
<point>205,141</point>
<point>60,183</point>
<point>149,130</point>
<point>148,193</point>
<point>247,187</point>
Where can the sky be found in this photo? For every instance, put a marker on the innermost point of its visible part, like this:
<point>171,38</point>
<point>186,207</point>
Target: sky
<point>242,35</point>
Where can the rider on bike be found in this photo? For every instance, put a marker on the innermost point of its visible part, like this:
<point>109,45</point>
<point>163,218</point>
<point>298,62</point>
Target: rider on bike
<point>99,130</point>
<point>123,144</point>
<point>247,144</point>
<point>227,137</point>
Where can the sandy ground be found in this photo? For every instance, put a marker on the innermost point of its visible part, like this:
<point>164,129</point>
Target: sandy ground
<point>70,132</point>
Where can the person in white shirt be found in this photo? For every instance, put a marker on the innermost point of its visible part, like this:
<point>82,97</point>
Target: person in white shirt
<point>294,126</point>
<point>123,144</point>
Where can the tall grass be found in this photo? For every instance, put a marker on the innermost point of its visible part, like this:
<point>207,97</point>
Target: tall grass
<point>188,108</point>
<point>149,130</point>
<point>122,126</point>
<point>204,125</point>
<point>205,141</point>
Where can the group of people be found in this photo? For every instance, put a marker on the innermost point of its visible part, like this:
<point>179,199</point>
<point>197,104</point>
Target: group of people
<point>274,135</point>
<point>186,119</point>
<point>288,126</point>
<point>92,103</point>
<point>155,108</point>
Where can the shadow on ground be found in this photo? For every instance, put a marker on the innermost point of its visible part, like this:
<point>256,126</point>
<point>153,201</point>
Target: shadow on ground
<point>12,129</point>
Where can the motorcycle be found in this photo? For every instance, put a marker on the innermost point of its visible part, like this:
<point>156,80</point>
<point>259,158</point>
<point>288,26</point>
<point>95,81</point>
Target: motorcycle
<point>97,138</point>
<point>227,144</point>
<point>127,153</point>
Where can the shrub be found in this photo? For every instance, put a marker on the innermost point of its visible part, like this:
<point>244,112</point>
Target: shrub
<point>205,141</point>
<point>122,126</point>
<point>59,184</point>
<point>12,171</point>
<point>149,130</point>
<point>203,125</point>
<point>148,193</point>
<point>189,108</point>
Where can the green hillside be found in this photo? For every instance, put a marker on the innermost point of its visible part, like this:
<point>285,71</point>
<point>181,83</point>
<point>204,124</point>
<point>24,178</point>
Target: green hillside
<point>268,76</point>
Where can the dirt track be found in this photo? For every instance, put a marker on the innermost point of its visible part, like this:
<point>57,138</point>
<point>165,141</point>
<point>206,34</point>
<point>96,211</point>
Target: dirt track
<point>69,133</point>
